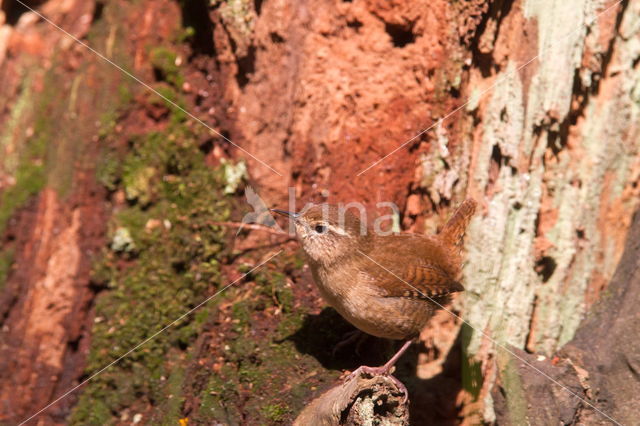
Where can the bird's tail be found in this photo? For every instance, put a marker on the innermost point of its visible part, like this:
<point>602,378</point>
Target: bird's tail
<point>455,228</point>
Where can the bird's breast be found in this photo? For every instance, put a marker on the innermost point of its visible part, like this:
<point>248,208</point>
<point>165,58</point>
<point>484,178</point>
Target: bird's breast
<point>356,298</point>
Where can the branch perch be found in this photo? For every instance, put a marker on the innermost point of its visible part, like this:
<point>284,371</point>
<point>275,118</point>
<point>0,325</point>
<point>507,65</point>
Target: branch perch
<point>361,400</point>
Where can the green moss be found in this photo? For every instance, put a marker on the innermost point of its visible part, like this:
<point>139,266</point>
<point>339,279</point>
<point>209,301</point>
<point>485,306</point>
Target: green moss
<point>185,34</point>
<point>6,260</point>
<point>265,365</point>
<point>171,409</point>
<point>275,286</point>
<point>109,170</point>
<point>514,393</point>
<point>172,268</point>
<point>30,171</point>
<point>276,412</point>
<point>56,150</point>
<point>13,127</point>
<point>216,400</point>
<point>170,262</point>
<point>30,179</point>
<point>165,61</point>
<point>260,359</point>
<point>471,369</point>
<point>241,315</point>
<point>290,324</point>
<point>97,413</point>
<point>169,94</point>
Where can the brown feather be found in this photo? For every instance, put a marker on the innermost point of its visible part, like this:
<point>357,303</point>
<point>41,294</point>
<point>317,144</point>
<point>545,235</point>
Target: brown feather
<point>455,228</point>
<point>412,266</point>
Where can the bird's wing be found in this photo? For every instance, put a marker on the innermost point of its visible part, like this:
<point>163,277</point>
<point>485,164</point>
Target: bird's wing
<point>453,231</point>
<point>399,270</point>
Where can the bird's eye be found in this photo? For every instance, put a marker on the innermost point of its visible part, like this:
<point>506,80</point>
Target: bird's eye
<point>320,228</point>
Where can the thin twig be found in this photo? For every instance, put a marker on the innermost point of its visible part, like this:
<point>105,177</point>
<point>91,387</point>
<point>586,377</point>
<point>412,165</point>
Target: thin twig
<point>253,226</point>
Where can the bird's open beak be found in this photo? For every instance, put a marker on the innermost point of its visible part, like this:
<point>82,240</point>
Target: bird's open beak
<point>292,215</point>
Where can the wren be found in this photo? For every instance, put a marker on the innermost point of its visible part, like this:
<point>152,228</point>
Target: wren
<point>386,285</point>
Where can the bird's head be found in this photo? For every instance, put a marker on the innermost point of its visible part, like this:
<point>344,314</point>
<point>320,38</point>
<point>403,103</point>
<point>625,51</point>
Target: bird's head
<point>327,232</point>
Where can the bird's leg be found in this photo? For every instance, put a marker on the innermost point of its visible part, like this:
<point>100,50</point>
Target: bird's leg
<point>385,370</point>
<point>387,367</point>
<point>349,338</point>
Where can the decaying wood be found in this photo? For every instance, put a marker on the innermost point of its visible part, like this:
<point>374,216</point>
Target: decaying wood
<point>601,364</point>
<point>361,400</point>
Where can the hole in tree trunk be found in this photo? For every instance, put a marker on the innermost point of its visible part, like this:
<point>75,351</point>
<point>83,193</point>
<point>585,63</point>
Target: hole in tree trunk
<point>400,35</point>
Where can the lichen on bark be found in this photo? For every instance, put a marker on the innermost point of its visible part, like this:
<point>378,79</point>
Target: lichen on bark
<point>546,241</point>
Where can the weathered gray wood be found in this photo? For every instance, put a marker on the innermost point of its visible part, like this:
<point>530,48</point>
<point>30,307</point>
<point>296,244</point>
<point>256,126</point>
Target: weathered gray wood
<point>361,400</point>
<point>601,364</point>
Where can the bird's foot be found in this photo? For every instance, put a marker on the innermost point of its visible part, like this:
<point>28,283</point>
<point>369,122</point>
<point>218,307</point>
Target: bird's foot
<point>380,371</point>
<point>371,371</point>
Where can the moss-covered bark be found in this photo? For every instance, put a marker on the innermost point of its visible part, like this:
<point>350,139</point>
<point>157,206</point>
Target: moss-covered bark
<point>549,150</point>
<point>165,260</point>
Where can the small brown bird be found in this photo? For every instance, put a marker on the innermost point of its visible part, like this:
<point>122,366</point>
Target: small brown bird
<point>385,285</point>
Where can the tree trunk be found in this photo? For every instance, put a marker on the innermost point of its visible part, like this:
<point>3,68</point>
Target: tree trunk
<point>108,194</point>
<point>600,364</point>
